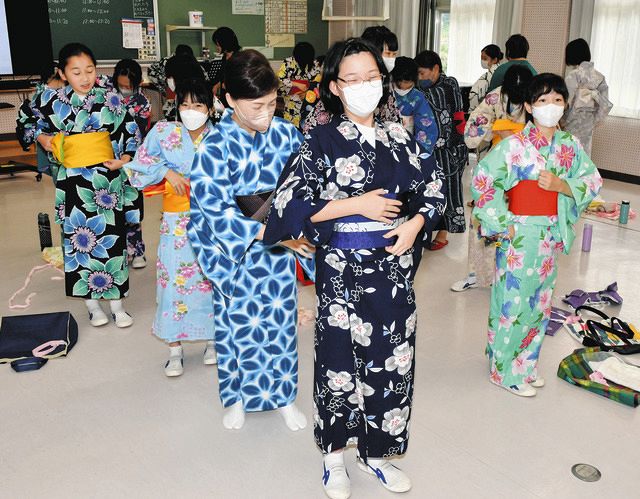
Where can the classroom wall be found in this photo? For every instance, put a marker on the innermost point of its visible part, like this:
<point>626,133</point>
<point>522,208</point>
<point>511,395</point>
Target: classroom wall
<point>249,29</point>
<point>616,147</point>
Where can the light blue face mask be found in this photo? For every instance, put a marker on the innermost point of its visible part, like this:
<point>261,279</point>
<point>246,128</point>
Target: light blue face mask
<point>424,84</point>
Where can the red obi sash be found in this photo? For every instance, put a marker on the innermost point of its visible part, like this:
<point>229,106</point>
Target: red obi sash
<point>526,198</point>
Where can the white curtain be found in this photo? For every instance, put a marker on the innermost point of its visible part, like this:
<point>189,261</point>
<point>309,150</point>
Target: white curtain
<point>403,21</point>
<point>507,20</point>
<point>470,29</point>
<point>615,51</point>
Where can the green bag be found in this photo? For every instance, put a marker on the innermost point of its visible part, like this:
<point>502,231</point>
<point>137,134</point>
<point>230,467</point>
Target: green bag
<point>575,370</point>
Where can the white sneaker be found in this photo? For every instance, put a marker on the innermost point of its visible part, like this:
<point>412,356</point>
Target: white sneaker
<point>538,383</point>
<point>122,319</point>
<point>335,481</point>
<point>524,390</point>
<point>97,317</point>
<point>174,367</point>
<point>391,477</point>
<point>468,282</point>
<point>210,355</point>
<point>139,262</point>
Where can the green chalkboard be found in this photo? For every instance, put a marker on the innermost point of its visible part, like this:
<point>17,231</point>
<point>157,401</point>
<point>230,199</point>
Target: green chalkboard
<point>98,24</point>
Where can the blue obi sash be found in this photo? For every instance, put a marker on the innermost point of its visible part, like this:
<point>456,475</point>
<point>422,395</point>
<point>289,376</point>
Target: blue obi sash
<point>358,232</point>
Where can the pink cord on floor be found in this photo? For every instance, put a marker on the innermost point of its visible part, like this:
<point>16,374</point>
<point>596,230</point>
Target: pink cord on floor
<point>34,270</point>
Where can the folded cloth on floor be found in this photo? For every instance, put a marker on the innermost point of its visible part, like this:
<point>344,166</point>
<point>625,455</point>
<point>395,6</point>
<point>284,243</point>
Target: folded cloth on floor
<point>608,296</point>
<point>557,318</point>
<point>575,369</point>
<point>618,371</point>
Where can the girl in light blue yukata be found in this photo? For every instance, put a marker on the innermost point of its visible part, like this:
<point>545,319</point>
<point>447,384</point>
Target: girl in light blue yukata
<point>162,165</point>
<point>254,285</point>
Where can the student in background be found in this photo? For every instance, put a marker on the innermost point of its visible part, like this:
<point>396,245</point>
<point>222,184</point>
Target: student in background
<point>156,72</point>
<point>227,44</point>
<point>490,58</point>
<point>517,49</point>
<point>183,293</point>
<point>417,116</point>
<point>126,80</point>
<point>296,74</point>
<point>443,94</point>
<point>588,102</point>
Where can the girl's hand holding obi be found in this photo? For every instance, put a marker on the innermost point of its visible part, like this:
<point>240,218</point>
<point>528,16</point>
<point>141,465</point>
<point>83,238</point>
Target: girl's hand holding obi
<point>406,234</point>
<point>375,206</point>
<point>45,141</point>
<point>300,246</point>
<point>116,164</point>
<point>550,182</point>
<point>178,182</point>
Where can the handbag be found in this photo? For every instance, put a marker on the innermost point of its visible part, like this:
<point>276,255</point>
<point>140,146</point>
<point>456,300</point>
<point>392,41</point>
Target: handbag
<point>612,334</point>
<point>575,369</point>
<point>28,341</point>
<point>256,206</point>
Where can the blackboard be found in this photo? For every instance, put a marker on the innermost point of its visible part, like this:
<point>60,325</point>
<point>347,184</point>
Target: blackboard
<point>97,24</point>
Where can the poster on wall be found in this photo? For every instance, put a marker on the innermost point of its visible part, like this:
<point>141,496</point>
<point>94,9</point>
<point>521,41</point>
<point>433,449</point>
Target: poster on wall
<point>247,7</point>
<point>285,16</point>
<point>279,40</point>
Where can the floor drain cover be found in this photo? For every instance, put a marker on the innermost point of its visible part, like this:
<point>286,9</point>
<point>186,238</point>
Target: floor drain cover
<point>586,472</point>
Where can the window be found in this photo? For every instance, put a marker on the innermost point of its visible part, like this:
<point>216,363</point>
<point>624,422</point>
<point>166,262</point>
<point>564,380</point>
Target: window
<point>441,36</point>
<point>615,51</point>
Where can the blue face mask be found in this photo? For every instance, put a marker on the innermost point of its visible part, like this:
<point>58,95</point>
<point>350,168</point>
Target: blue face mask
<point>424,84</point>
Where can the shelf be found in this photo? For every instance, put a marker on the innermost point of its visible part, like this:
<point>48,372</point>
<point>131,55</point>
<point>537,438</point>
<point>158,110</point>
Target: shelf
<point>173,27</point>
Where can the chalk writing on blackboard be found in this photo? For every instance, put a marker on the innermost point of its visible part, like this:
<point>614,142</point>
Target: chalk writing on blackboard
<point>142,8</point>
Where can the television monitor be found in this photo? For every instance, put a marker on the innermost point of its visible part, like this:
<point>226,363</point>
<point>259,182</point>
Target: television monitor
<point>25,38</point>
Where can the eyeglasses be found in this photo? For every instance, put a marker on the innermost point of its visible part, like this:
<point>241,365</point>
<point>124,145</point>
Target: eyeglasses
<point>358,83</point>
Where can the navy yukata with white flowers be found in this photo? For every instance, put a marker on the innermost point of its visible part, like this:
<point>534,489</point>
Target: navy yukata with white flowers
<point>365,328</point>
<point>254,284</point>
<point>93,204</point>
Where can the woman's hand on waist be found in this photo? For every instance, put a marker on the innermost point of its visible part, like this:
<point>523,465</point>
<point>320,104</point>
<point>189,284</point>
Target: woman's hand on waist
<point>375,206</point>
<point>178,182</point>
<point>406,234</point>
<point>300,246</point>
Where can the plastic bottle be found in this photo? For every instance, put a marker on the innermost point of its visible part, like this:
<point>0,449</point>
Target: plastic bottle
<point>587,232</point>
<point>624,212</point>
<point>44,231</point>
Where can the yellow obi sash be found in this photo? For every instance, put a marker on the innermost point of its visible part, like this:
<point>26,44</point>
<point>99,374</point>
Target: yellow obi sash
<point>505,126</point>
<point>171,202</point>
<point>81,150</point>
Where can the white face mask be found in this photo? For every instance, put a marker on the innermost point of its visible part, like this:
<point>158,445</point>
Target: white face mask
<point>548,115</point>
<point>402,92</point>
<point>126,92</point>
<point>259,122</point>
<point>171,84</point>
<point>193,119</point>
<point>484,64</point>
<point>390,63</point>
<point>364,100</point>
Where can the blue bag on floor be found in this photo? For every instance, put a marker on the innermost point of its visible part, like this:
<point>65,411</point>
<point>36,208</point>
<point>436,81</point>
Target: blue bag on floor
<point>28,341</point>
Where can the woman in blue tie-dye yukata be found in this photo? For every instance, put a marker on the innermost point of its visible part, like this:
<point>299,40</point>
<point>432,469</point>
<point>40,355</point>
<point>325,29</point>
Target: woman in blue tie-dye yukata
<point>254,284</point>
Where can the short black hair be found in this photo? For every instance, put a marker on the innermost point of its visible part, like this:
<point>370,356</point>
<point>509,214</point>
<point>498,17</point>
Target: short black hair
<point>248,75</point>
<point>577,51</point>
<point>515,83</point>
<point>493,51</point>
<point>428,59</point>
<point>183,67</point>
<point>304,54</point>
<point>129,68</point>
<point>226,38</point>
<point>517,47</point>
<point>381,36</point>
<point>405,69</point>
<point>72,50</point>
<point>199,90</point>
<point>331,69</point>
<point>183,49</point>
<point>545,83</point>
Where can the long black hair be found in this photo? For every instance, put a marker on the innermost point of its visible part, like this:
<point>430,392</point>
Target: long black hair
<point>493,51</point>
<point>304,54</point>
<point>516,81</point>
<point>331,69</point>
<point>226,38</point>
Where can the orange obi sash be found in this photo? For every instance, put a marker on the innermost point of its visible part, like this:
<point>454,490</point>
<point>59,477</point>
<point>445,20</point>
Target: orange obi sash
<point>504,125</point>
<point>171,202</point>
<point>527,198</point>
